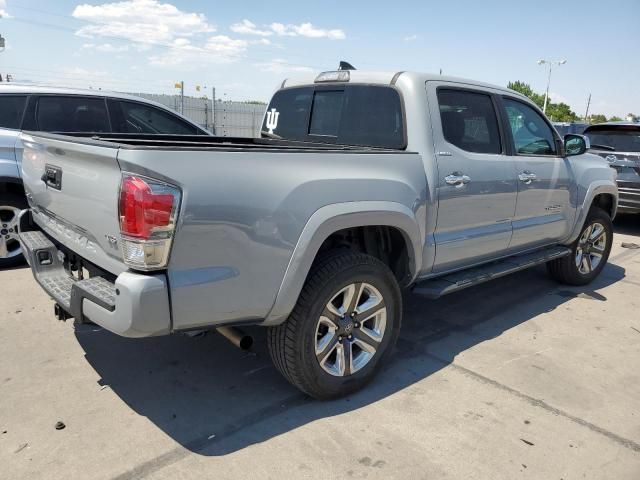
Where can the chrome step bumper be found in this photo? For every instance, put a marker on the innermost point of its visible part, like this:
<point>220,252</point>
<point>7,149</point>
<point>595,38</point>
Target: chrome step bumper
<point>135,305</point>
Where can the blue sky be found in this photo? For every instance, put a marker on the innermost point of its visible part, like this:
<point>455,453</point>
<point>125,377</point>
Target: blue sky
<point>245,49</point>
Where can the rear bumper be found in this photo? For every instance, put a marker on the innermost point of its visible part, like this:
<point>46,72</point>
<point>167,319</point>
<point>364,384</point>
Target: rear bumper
<point>135,305</point>
<point>628,197</point>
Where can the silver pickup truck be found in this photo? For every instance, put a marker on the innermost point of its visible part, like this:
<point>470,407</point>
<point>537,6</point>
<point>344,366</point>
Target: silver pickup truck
<point>362,184</point>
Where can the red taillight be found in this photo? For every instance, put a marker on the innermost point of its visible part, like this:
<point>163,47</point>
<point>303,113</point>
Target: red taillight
<point>141,210</point>
<point>148,211</point>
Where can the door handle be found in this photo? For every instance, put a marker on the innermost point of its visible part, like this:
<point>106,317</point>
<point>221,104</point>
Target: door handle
<point>527,177</point>
<point>457,179</point>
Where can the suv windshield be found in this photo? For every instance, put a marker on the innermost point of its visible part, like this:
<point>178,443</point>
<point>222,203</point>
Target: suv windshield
<point>364,115</point>
<point>615,139</point>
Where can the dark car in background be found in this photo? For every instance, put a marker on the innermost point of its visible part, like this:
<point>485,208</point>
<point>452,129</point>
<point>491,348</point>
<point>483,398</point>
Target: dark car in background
<point>66,110</point>
<point>619,144</point>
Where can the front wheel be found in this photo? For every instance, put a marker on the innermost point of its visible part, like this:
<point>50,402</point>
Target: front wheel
<point>343,327</point>
<point>589,253</point>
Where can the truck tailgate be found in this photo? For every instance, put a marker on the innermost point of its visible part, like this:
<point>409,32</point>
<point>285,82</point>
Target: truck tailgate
<point>72,187</point>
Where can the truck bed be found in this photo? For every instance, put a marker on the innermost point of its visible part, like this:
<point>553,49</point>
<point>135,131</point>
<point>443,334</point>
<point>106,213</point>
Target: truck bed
<point>200,142</point>
<point>244,206</point>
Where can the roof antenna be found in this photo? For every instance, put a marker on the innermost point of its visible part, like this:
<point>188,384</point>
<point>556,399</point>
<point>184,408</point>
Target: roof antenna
<point>345,66</point>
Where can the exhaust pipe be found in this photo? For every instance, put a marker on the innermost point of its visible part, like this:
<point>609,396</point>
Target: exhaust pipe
<point>236,336</point>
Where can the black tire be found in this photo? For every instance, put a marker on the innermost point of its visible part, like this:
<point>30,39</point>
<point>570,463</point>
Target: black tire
<point>566,270</point>
<point>293,344</point>
<point>9,202</point>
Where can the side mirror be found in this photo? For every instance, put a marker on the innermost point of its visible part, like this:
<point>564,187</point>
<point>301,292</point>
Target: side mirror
<point>575,144</point>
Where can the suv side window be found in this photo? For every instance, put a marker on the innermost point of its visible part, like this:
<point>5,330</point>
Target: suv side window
<point>531,134</point>
<point>57,113</point>
<point>469,120</point>
<point>134,117</point>
<point>11,110</point>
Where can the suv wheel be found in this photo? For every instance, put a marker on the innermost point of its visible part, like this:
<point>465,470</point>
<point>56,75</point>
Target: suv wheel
<point>589,253</point>
<point>343,327</point>
<point>10,251</point>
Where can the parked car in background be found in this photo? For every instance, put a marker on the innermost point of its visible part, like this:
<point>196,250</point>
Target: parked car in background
<point>619,144</point>
<point>365,183</point>
<point>565,128</point>
<point>66,110</point>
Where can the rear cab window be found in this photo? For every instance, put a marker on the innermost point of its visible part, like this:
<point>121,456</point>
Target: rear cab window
<point>360,115</point>
<point>11,110</point>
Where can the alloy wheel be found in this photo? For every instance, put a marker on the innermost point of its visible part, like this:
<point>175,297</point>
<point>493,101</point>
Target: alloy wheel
<point>9,245</point>
<point>591,248</point>
<point>350,329</point>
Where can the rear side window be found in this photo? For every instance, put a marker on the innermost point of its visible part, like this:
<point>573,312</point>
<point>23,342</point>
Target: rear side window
<point>532,135</point>
<point>469,121</point>
<point>11,110</point>
<point>72,114</point>
<point>348,115</point>
<point>134,117</point>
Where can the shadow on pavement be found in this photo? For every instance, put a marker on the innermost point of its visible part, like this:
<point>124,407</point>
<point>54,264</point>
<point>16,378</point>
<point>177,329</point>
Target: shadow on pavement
<point>627,225</point>
<point>214,399</point>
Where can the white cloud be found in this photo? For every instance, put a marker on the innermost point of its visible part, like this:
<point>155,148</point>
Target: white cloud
<point>3,9</point>
<point>82,73</point>
<point>106,47</point>
<point>247,27</point>
<point>306,30</point>
<point>217,49</point>
<point>141,21</point>
<point>279,65</point>
<point>410,38</point>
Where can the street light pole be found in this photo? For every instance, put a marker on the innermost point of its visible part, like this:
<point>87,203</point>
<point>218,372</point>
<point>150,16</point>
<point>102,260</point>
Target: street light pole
<point>551,63</point>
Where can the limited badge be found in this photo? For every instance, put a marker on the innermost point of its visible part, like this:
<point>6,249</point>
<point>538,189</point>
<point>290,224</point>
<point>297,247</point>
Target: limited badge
<point>272,120</point>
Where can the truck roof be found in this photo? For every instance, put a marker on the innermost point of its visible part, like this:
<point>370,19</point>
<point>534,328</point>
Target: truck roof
<point>388,77</point>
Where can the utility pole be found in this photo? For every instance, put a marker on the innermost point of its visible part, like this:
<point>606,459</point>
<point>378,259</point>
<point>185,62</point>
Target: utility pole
<point>551,63</point>
<point>213,110</point>
<point>182,97</point>
<point>586,114</point>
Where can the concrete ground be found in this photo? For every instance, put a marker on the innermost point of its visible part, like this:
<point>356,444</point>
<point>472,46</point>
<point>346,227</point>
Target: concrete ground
<point>518,378</point>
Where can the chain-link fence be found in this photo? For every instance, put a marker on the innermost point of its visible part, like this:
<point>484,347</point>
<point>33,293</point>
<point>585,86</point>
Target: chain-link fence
<point>226,119</point>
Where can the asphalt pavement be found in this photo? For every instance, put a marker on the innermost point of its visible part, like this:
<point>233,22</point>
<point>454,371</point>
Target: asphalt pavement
<point>517,378</point>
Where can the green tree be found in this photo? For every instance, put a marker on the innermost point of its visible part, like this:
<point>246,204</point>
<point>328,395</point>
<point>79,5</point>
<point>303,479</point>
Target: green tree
<point>597,118</point>
<point>557,112</point>
<point>615,119</point>
<point>561,112</point>
<point>526,90</point>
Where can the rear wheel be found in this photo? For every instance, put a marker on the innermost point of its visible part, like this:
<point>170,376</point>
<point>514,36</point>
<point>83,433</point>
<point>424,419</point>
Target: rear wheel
<point>343,327</point>
<point>10,251</point>
<point>589,253</point>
